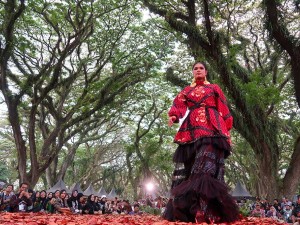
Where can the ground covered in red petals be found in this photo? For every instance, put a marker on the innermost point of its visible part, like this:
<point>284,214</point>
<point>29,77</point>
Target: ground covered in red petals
<point>59,219</point>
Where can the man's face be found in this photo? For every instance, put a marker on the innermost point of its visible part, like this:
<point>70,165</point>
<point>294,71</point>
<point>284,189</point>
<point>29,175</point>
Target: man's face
<point>9,188</point>
<point>23,187</point>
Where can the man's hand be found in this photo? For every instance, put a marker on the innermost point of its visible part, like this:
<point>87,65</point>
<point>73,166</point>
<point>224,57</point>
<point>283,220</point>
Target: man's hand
<point>52,201</point>
<point>171,120</point>
<point>25,194</point>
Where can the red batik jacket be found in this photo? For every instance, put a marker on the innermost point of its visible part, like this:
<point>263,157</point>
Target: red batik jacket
<point>208,114</point>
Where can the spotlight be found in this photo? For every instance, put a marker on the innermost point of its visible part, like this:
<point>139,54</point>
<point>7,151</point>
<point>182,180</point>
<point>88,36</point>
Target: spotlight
<point>149,187</point>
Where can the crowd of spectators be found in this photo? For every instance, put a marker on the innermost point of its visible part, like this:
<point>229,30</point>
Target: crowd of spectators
<point>282,211</point>
<point>26,200</point>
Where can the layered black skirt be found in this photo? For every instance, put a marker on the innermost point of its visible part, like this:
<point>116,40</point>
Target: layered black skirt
<point>198,189</point>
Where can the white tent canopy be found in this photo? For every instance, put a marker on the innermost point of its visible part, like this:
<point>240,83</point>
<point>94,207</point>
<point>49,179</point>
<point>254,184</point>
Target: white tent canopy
<point>112,194</point>
<point>90,191</point>
<point>76,186</point>
<point>240,191</point>
<point>102,192</point>
<point>60,185</point>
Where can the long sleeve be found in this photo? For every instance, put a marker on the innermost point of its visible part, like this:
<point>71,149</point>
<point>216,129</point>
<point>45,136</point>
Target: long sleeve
<point>15,200</point>
<point>208,116</point>
<point>179,106</point>
<point>222,108</point>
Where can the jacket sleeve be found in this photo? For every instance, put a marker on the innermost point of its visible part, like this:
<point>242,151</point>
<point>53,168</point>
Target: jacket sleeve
<point>14,201</point>
<point>179,107</point>
<point>222,108</point>
<point>28,201</point>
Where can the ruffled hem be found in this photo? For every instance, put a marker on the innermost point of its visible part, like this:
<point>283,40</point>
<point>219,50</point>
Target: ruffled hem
<point>220,205</point>
<point>185,152</point>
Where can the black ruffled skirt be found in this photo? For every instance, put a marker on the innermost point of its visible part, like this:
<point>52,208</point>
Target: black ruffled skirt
<point>198,188</point>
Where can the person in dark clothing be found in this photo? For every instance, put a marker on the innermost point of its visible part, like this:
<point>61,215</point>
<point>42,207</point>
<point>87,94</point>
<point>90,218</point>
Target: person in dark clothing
<point>41,202</point>
<point>90,206</point>
<point>73,202</point>
<point>81,201</point>
<point>49,206</point>
<point>102,204</point>
<point>21,201</point>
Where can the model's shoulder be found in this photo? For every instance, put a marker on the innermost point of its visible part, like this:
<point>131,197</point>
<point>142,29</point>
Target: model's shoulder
<point>215,86</point>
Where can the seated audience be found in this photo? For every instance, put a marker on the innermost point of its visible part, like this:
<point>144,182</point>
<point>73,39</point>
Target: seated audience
<point>41,202</point>
<point>60,203</point>
<point>258,211</point>
<point>90,207</point>
<point>136,210</point>
<point>272,213</point>
<point>5,197</point>
<point>21,201</point>
<point>102,204</point>
<point>73,202</point>
<point>287,213</point>
<point>296,212</point>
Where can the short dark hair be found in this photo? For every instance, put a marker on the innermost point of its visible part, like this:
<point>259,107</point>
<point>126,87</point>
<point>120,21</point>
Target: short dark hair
<point>10,185</point>
<point>24,183</point>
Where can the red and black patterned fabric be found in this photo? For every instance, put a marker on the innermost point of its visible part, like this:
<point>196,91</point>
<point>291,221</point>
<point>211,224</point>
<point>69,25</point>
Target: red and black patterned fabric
<point>208,114</point>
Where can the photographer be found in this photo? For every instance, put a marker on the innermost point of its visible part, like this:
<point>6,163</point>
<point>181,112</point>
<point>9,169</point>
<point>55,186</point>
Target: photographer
<point>21,201</point>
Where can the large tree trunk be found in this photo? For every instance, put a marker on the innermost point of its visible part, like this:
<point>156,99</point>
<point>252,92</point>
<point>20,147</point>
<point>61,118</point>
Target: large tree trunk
<point>278,29</point>
<point>250,121</point>
<point>67,161</point>
<point>292,178</point>
<point>21,148</point>
<point>12,13</point>
<point>268,185</point>
<point>20,143</point>
<point>51,172</point>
